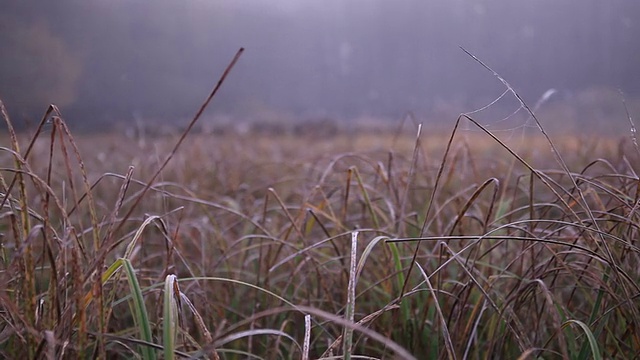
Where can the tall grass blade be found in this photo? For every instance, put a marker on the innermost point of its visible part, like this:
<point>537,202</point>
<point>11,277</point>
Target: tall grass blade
<point>141,315</point>
<point>591,340</point>
<point>367,199</point>
<point>170,316</point>
<point>451,354</point>
<point>351,297</point>
<point>183,136</point>
<point>307,337</point>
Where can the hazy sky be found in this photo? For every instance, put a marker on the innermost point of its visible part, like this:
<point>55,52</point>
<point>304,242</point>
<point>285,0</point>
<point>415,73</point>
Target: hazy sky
<point>115,60</point>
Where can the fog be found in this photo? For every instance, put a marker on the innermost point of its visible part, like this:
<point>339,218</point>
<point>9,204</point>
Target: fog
<point>103,62</point>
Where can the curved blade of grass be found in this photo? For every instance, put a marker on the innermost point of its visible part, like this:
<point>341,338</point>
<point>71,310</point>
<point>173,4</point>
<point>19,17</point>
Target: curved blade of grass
<point>367,200</point>
<point>400,352</point>
<point>443,320</point>
<point>112,270</point>
<point>225,280</point>
<point>140,310</point>
<point>593,343</point>
<point>367,252</point>
<point>405,309</point>
<point>193,121</point>
<point>594,313</point>
<point>430,202</point>
<point>170,316</point>
<point>255,332</point>
<point>200,324</point>
<point>140,313</point>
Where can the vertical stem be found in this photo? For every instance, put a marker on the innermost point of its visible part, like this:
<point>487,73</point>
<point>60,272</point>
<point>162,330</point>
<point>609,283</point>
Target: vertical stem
<point>351,297</point>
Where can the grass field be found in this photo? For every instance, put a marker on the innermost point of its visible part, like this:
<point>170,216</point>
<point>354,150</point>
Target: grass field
<point>361,245</point>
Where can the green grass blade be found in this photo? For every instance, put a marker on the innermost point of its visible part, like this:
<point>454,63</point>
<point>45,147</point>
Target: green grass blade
<point>404,306</point>
<point>367,252</point>
<point>140,311</point>
<point>367,200</point>
<point>593,343</point>
<point>595,312</point>
<point>451,355</point>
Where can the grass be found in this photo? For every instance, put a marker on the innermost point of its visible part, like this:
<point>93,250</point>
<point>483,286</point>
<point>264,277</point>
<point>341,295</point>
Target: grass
<point>276,247</point>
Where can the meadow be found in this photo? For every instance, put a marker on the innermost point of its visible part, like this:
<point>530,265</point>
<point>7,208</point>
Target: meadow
<point>362,245</point>
<point>398,244</point>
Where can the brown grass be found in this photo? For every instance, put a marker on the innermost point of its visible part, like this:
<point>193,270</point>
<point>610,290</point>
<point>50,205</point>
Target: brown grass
<point>257,232</point>
<point>239,246</point>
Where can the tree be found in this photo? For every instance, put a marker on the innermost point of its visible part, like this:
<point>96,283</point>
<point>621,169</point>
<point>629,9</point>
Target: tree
<point>37,67</point>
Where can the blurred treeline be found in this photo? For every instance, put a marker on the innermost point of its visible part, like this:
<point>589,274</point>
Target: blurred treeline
<point>104,61</point>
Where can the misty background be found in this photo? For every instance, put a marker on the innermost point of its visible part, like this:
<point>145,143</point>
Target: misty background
<point>106,62</point>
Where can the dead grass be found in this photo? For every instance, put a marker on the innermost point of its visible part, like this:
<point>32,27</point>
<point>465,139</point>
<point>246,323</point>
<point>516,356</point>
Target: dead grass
<point>256,233</point>
<point>246,246</point>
